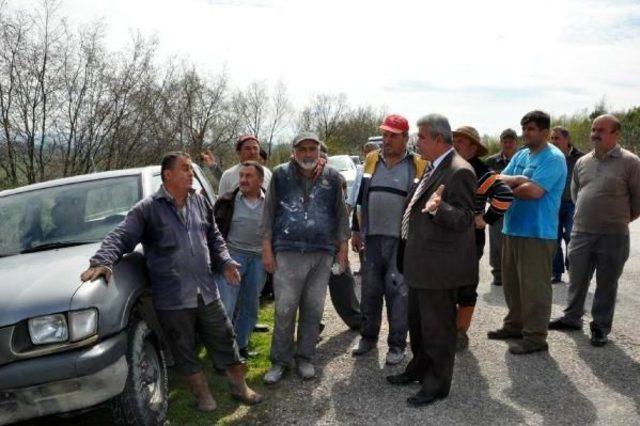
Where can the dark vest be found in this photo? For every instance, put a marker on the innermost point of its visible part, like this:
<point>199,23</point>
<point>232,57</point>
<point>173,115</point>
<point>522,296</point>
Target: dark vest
<point>305,219</point>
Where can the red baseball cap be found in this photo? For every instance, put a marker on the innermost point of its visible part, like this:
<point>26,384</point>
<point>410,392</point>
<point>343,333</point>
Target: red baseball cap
<point>395,124</point>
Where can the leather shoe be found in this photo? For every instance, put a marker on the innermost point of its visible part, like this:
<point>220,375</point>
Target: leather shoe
<point>422,399</point>
<point>560,324</point>
<point>246,353</point>
<point>598,338</point>
<point>527,347</point>
<point>504,334</point>
<point>402,379</point>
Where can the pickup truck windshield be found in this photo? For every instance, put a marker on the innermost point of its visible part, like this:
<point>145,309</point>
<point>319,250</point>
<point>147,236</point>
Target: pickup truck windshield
<point>65,215</point>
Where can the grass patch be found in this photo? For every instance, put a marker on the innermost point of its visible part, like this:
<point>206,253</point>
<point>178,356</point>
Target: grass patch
<point>182,409</point>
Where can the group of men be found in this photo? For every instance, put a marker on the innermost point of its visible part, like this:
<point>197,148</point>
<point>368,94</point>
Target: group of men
<point>419,221</point>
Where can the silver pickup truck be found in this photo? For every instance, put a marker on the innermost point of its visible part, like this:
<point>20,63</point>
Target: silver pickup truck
<point>67,345</point>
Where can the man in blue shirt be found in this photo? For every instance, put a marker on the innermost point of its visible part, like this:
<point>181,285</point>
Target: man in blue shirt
<point>537,176</point>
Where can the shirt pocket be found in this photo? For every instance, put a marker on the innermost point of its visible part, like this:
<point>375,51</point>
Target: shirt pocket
<point>166,239</point>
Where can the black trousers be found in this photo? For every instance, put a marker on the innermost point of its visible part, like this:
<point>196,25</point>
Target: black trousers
<point>432,328</point>
<point>211,324</point>
<point>344,299</point>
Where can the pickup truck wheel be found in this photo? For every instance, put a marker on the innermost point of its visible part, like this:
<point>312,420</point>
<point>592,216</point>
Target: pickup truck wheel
<point>144,400</point>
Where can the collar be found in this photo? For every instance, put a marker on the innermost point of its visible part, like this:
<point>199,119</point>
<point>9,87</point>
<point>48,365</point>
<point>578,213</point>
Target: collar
<point>407,154</point>
<point>163,193</point>
<point>438,160</point>
<point>260,197</point>
<point>614,152</point>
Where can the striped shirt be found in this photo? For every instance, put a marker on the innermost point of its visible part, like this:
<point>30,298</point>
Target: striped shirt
<point>490,189</point>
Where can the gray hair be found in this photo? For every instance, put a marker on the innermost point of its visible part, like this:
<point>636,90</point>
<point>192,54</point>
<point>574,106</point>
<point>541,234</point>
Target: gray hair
<point>438,125</point>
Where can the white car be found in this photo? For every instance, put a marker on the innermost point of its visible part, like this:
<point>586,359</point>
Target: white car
<point>345,165</point>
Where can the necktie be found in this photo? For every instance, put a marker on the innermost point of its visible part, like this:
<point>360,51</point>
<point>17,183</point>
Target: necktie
<point>422,186</point>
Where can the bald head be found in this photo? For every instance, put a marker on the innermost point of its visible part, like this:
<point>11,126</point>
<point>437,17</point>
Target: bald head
<point>605,133</point>
<point>610,120</point>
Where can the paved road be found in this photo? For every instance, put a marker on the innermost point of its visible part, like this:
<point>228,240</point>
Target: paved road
<point>574,383</point>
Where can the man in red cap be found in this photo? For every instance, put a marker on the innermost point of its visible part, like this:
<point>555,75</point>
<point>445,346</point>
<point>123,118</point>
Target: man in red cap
<point>248,149</point>
<point>389,175</point>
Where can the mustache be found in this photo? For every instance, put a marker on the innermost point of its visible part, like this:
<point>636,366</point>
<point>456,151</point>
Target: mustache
<point>596,139</point>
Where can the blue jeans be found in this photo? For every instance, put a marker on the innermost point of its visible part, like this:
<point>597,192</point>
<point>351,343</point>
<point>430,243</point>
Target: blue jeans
<point>243,301</point>
<point>565,224</point>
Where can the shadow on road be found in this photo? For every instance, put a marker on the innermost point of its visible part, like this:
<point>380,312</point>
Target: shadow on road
<point>612,366</point>
<point>538,384</point>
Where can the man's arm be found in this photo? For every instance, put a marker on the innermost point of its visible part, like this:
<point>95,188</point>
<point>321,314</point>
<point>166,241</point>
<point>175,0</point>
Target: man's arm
<point>343,231</point>
<point>122,240</point>
<point>266,229</point>
<point>455,210</point>
<point>634,189</point>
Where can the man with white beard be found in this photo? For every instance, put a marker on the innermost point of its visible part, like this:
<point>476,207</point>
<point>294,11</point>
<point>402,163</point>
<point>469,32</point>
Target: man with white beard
<point>304,226</point>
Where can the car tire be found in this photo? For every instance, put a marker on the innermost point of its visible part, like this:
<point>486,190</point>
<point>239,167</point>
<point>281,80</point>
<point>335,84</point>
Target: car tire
<point>144,400</point>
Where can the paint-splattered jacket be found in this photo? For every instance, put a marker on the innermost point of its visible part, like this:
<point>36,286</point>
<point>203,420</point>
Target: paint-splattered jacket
<point>303,214</point>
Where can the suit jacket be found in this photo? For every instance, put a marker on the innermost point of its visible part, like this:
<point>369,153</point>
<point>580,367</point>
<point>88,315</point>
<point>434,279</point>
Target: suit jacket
<point>440,250</point>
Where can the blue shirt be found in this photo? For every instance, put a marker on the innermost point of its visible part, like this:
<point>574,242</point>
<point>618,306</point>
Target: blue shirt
<point>537,218</point>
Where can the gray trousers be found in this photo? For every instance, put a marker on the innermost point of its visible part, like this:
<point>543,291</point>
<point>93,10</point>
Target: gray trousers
<point>382,280</point>
<point>495,250</point>
<point>605,255</point>
<point>300,287</point>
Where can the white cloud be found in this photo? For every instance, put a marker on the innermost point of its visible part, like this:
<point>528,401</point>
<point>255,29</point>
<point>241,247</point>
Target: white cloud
<point>481,63</point>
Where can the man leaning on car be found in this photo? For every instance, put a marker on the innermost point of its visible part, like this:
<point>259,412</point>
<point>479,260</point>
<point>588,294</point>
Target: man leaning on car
<point>183,248</point>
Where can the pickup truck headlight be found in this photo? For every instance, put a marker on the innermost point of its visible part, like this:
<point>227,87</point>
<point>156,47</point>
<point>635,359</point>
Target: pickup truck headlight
<point>83,324</point>
<point>48,329</point>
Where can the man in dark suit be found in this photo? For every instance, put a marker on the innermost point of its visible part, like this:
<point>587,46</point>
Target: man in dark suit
<point>438,258</point>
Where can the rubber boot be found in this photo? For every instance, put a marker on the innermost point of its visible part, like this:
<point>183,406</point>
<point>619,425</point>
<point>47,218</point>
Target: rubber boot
<point>239,389</point>
<point>463,322</point>
<point>200,389</point>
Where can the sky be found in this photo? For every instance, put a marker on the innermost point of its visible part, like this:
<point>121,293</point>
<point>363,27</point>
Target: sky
<point>480,63</point>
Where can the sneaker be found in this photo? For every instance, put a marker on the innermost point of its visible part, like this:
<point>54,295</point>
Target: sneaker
<point>306,370</point>
<point>561,324</point>
<point>598,338</point>
<point>274,374</point>
<point>395,356</point>
<point>363,346</point>
<point>462,341</point>
<point>556,279</point>
<point>525,347</point>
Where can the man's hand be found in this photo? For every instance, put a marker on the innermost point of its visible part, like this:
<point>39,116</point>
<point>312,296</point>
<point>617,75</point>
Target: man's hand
<point>357,244</point>
<point>96,272</point>
<point>434,201</point>
<point>268,259</point>
<point>479,221</point>
<point>231,273</point>
<point>208,158</point>
<point>343,256</point>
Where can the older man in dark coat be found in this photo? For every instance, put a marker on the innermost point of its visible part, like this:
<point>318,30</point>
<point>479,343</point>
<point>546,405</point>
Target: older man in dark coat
<point>438,258</point>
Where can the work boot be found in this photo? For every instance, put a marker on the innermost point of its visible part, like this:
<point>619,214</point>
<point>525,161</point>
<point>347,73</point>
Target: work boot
<point>462,341</point>
<point>463,323</point>
<point>200,389</point>
<point>239,389</point>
